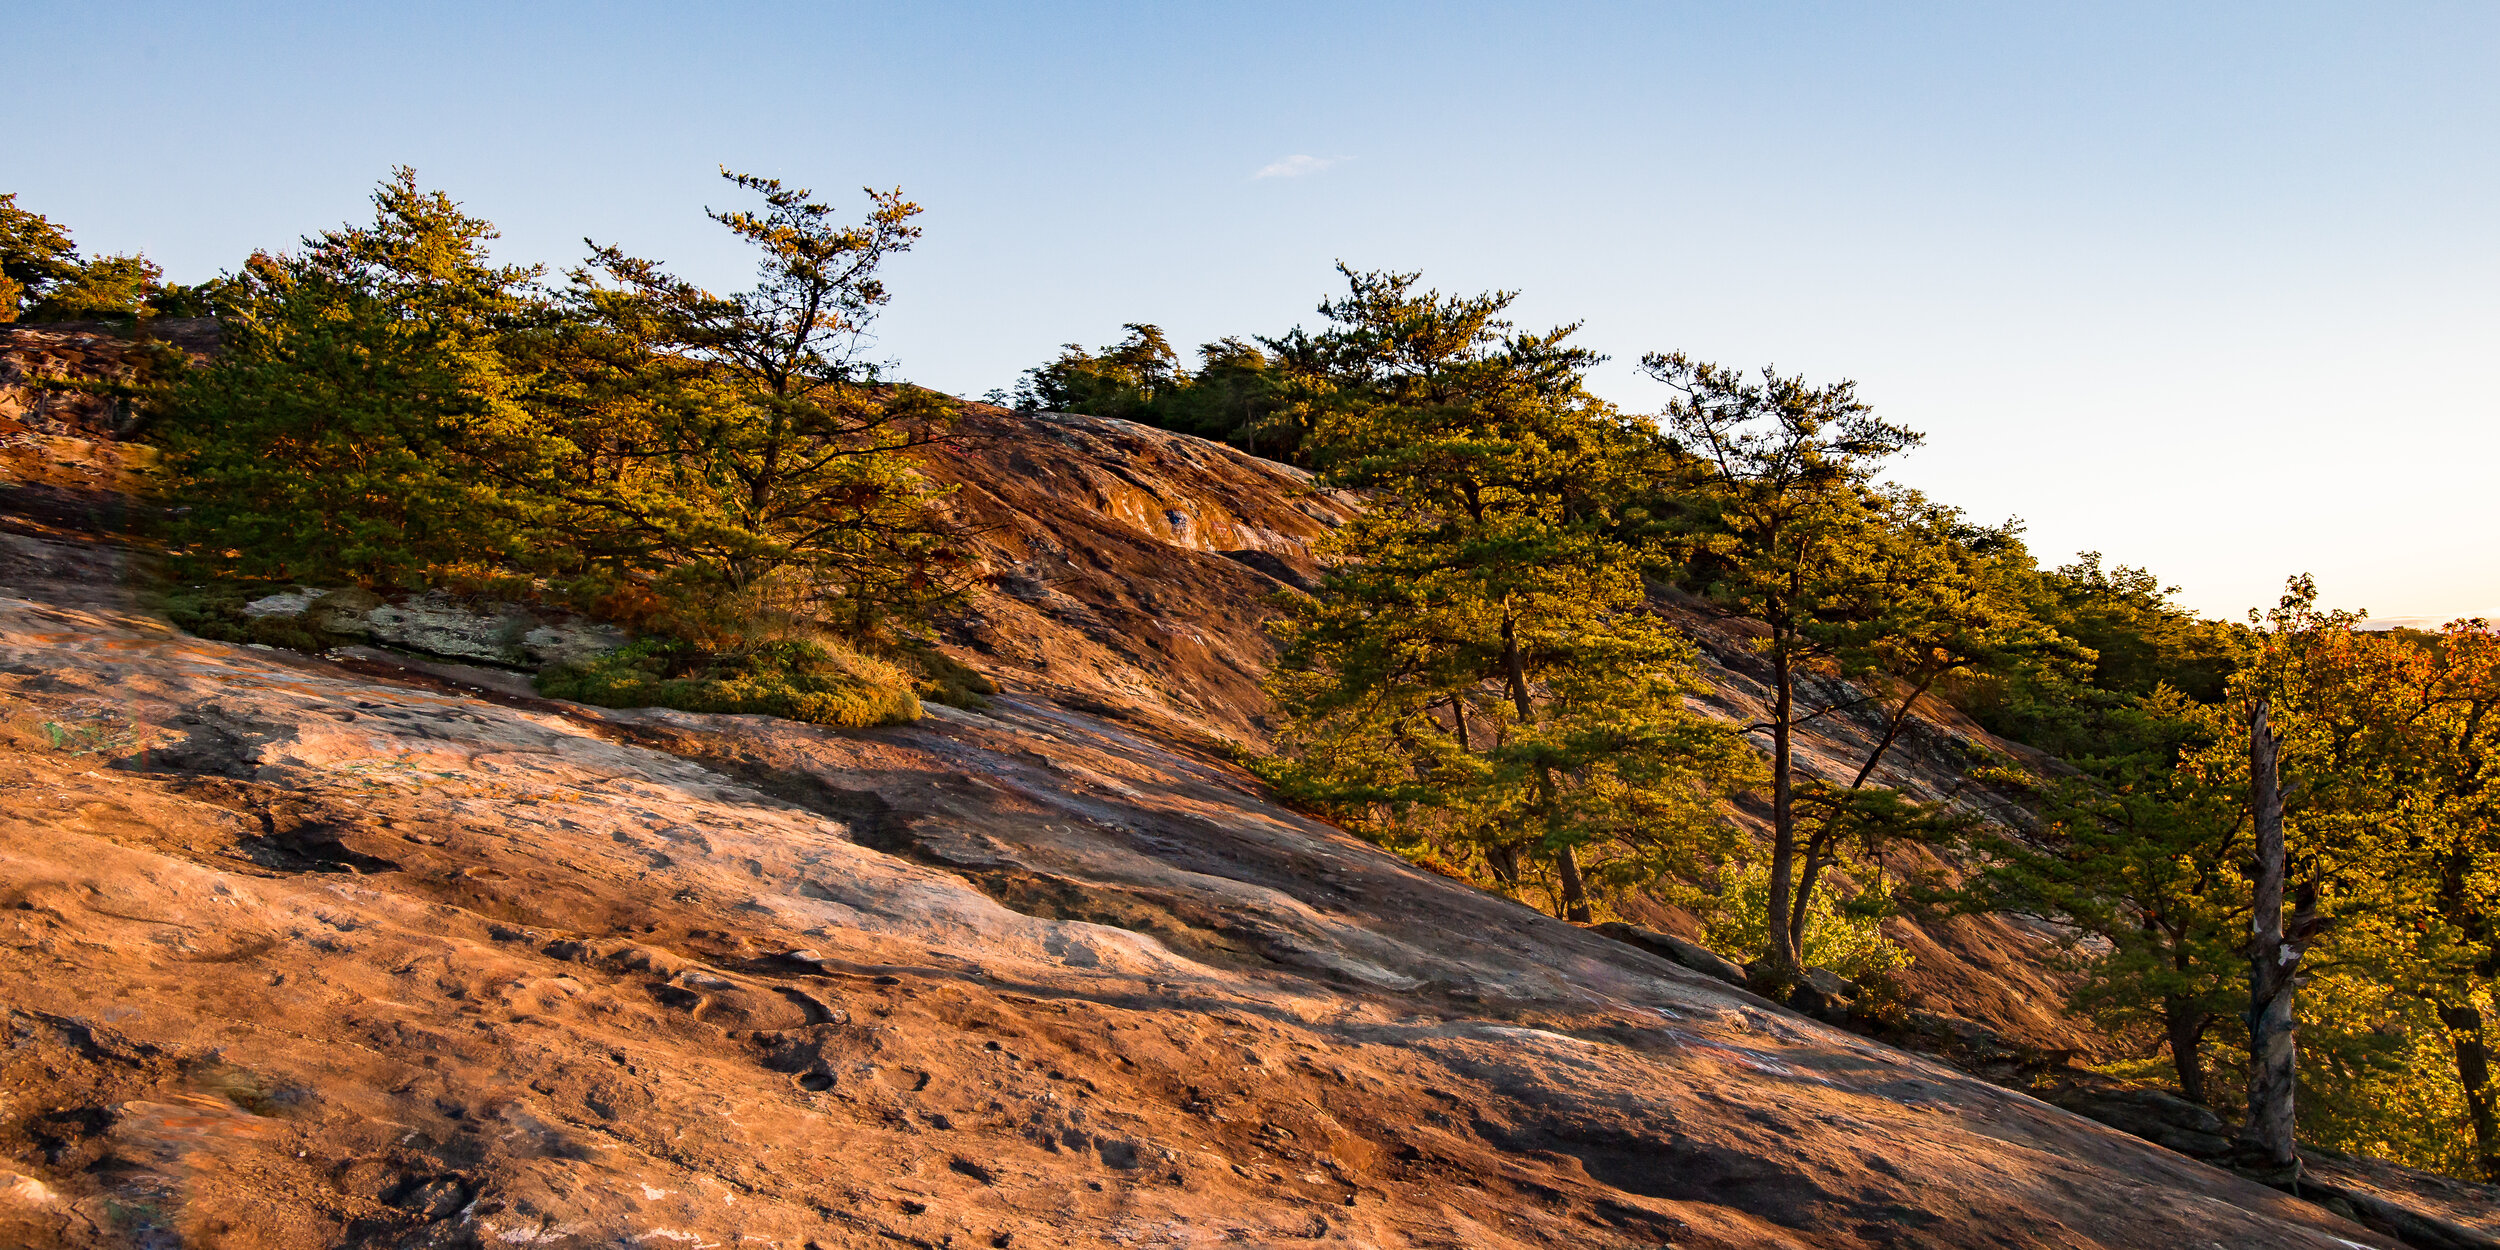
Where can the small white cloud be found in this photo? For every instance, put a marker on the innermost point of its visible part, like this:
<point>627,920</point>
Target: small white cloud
<point>1297,166</point>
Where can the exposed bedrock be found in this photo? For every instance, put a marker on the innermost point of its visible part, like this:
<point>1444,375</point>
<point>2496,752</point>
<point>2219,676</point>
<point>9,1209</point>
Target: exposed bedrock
<point>303,953</point>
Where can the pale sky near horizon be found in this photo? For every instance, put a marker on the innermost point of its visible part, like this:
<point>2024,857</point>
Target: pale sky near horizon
<point>2211,289</point>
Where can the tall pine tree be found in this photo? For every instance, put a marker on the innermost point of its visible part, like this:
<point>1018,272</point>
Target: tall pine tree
<point>1481,677</point>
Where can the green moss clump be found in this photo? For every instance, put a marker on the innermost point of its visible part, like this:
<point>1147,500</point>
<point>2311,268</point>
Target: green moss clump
<point>821,682</point>
<point>947,680</point>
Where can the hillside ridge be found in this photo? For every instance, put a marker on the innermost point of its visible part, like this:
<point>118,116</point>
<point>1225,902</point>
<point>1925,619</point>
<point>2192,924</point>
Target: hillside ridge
<point>300,952</point>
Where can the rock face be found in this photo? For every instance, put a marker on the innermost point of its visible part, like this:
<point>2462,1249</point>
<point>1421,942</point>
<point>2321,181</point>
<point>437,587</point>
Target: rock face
<point>2428,1212</point>
<point>1129,567</point>
<point>304,952</point>
<point>294,955</point>
<point>439,624</point>
<point>34,359</point>
<point>1676,950</point>
<point>299,952</point>
<point>1129,570</point>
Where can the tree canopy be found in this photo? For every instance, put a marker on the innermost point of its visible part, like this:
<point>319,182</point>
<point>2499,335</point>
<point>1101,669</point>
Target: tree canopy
<point>43,278</point>
<point>725,472</point>
<point>1481,679</point>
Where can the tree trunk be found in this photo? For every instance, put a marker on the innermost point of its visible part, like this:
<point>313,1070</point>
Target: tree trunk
<point>1503,859</point>
<point>1818,857</point>
<point>2273,963</point>
<point>1575,895</point>
<point>1515,671</point>
<point>2186,1023</point>
<point>2463,1018</point>
<point>1783,948</point>
<point>2465,1030</point>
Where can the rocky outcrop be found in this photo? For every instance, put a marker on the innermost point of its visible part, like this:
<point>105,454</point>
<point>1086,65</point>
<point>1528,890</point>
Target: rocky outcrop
<point>1114,584</point>
<point>300,952</point>
<point>443,625</point>
<point>60,380</point>
<point>2428,1212</point>
<point>305,951</point>
<point>1676,950</point>
<point>1128,568</point>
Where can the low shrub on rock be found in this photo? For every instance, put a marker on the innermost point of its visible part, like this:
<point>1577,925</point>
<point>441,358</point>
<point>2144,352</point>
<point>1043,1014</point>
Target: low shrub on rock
<point>815,680</point>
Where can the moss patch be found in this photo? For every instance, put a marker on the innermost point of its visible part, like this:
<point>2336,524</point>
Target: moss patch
<point>821,682</point>
<point>946,680</point>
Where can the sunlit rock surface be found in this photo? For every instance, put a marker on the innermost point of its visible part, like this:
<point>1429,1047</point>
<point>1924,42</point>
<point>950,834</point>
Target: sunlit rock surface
<point>305,952</point>
<point>299,952</point>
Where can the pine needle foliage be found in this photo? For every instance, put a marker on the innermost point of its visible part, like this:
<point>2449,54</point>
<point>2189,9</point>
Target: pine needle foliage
<point>364,421</point>
<point>1478,680</point>
<point>743,447</point>
<point>43,278</point>
<point>1238,394</point>
<point>727,473</point>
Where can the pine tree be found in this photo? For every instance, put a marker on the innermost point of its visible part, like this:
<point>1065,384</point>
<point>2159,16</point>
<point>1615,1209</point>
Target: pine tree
<point>1123,380</point>
<point>742,450</point>
<point>1780,525</point>
<point>363,420</point>
<point>1938,603</point>
<point>1481,677</point>
<point>2141,849</point>
<point>36,255</point>
<point>42,278</point>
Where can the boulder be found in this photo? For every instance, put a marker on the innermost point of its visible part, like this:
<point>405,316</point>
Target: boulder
<point>504,634</point>
<point>2156,1116</point>
<point>570,642</point>
<point>437,624</point>
<point>1824,994</point>
<point>284,603</point>
<point>343,612</point>
<point>1676,950</point>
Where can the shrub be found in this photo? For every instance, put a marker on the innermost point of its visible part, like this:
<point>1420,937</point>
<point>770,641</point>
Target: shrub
<point>1844,935</point>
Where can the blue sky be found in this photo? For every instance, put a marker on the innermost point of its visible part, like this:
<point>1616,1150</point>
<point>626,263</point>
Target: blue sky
<point>2209,288</point>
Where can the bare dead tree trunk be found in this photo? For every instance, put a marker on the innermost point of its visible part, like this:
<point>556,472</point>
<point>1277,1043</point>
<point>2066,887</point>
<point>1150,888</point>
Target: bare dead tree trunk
<point>2465,1030</point>
<point>2273,962</point>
